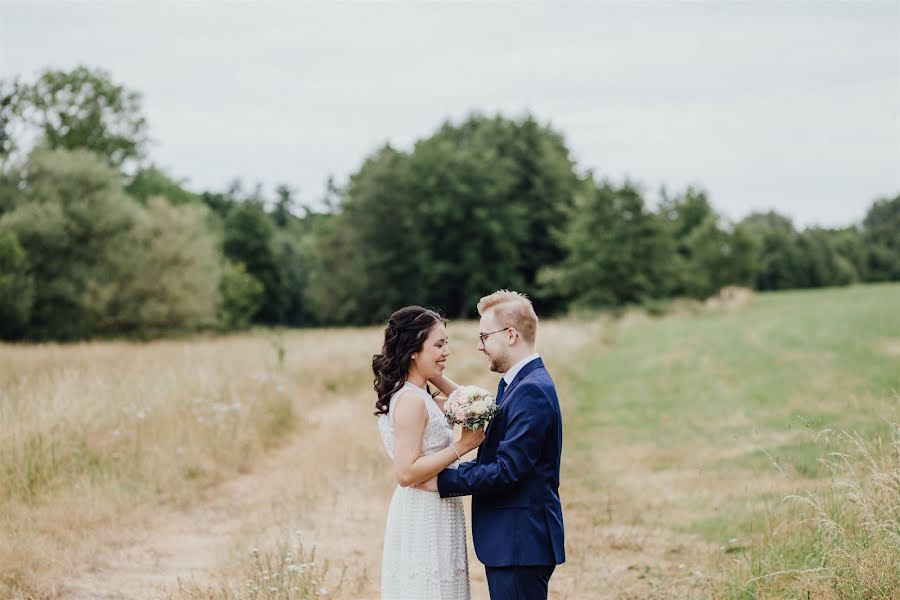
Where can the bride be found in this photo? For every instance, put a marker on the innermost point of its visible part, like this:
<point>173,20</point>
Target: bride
<point>424,552</point>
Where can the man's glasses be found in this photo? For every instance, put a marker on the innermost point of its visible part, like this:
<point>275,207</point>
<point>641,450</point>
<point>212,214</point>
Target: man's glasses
<point>484,336</point>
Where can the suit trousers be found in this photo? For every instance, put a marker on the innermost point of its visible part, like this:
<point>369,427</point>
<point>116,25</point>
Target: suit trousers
<point>519,583</point>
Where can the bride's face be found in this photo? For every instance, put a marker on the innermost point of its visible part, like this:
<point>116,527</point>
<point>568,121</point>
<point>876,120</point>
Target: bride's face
<point>432,358</point>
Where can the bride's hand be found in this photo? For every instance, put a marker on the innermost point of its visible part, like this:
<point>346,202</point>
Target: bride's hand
<point>469,440</point>
<point>429,485</point>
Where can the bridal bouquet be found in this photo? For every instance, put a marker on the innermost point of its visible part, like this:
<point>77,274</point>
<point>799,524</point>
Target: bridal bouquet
<point>470,406</point>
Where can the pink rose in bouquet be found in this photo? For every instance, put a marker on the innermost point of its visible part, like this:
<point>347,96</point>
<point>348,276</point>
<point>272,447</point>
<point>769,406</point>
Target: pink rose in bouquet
<point>470,406</point>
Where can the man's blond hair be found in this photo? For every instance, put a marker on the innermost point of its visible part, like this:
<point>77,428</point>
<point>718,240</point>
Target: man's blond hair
<point>512,310</point>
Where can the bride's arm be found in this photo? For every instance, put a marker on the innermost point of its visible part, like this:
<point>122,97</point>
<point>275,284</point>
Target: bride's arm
<point>445,385</point>
<point>410,419</point>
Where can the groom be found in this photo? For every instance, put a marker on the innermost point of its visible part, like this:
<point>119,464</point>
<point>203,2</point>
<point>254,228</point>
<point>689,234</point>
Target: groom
<point>517,523</point>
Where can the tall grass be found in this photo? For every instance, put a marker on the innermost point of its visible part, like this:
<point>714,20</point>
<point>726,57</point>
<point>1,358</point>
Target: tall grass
<point>98,436</point>
<point>290,572</point>
<point>841,541</point>
<point>684,435</point>
<point>92,432</point>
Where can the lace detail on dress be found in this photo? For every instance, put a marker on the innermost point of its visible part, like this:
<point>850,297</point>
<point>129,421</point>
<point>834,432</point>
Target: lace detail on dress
<point>425,536</point>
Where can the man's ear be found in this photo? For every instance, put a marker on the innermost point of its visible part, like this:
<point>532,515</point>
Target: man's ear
<point>511,338</point>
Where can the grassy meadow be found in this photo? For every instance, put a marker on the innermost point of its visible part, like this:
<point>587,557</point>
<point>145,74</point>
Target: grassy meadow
<point>770,433</point>
<point>749,452</point>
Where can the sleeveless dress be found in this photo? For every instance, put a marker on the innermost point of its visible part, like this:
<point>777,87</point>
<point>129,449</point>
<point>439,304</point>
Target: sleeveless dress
<point>424,554</point>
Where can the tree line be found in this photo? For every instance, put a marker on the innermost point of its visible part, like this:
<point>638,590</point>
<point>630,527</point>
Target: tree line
<point>95,241</point>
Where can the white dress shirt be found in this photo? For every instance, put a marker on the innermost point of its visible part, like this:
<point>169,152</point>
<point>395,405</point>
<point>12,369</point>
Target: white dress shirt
<point>514,370</point>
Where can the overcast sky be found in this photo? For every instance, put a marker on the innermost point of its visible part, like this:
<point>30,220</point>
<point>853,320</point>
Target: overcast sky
<point>787,105</point>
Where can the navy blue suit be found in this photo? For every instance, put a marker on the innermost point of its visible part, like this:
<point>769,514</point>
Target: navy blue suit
<point>517,522</point>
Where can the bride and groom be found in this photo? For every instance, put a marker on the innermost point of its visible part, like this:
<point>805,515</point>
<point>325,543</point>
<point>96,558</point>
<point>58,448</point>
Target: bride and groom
<point>517,524</point>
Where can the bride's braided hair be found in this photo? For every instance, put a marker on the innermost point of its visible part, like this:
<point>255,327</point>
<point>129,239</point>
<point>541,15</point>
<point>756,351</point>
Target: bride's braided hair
<point>404,335</point>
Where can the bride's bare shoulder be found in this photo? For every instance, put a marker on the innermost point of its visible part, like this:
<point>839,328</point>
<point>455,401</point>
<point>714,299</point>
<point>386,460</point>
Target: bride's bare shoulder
<point>409,410</point>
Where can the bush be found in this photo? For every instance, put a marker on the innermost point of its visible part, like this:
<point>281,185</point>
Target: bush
<point>241,296</point>
<point>102,264</point>
<point>75,222</point>
<point>16,287</point>
<point>171,276</point>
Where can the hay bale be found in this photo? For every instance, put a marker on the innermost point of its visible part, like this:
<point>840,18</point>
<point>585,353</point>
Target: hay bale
<point>730,297</point>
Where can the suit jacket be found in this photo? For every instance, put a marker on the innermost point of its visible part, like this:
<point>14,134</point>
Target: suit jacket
<point>514,482</point>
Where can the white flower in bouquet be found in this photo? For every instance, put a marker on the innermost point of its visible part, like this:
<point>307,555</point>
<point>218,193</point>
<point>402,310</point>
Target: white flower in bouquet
<point>470,406</point>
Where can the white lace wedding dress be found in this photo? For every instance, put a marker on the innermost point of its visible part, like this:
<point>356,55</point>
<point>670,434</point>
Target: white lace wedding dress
<point>424,554</point>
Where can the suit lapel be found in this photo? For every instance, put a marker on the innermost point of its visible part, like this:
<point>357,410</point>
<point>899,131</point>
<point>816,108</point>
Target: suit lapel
<point>523,372</point>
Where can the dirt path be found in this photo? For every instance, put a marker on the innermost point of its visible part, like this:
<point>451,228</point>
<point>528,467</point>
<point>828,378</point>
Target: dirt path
<point>343,517</point>
<point>259,509</point>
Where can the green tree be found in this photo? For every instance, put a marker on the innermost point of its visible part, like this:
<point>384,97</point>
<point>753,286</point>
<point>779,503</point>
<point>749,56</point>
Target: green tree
<point>284,205</point>
<point>372,257</point>
<point>709,255</point>
<point>294,255</point>
<point>82,108</point>
<point>464,215</point>
<point>335,293</point>
<point>152,181</point>
<point>220,203</point>
<point>9,189</point>
<point>882,223</point>
<point>473,207</point>
<point>780,262</point>
<point>881,233</point>
<point>618,252</point>
<point>822,264</point>
<point>685,213</point>
<point>16,287</point>
<point>171,274</point>
<point>241,297</point>
<point>101,263</point>
<point>248,239</point>
<point>9,92</point>
<point>850,245</point>
<point>539,181</point>
<point>718,257</point>
<point>74,221</point>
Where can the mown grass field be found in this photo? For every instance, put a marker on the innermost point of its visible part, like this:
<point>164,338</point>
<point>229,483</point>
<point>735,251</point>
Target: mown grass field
<point>703,424</point>
<point>746,453</point>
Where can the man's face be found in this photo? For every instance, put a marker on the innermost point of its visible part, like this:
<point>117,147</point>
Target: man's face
<point>496,345</point>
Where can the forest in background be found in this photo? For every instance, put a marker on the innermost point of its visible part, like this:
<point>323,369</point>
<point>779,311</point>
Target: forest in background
<point>97,241</point>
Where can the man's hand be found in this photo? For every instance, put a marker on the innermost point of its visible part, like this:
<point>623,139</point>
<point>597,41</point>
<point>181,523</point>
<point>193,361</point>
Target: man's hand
<point>428,486</point>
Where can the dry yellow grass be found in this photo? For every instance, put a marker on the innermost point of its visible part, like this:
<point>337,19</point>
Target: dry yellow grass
<point>267,433</point>
<point>102,433</point>
<point>146,470</point>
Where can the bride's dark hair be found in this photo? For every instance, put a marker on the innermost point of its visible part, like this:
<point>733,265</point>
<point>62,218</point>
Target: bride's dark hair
<point>404,335</point>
